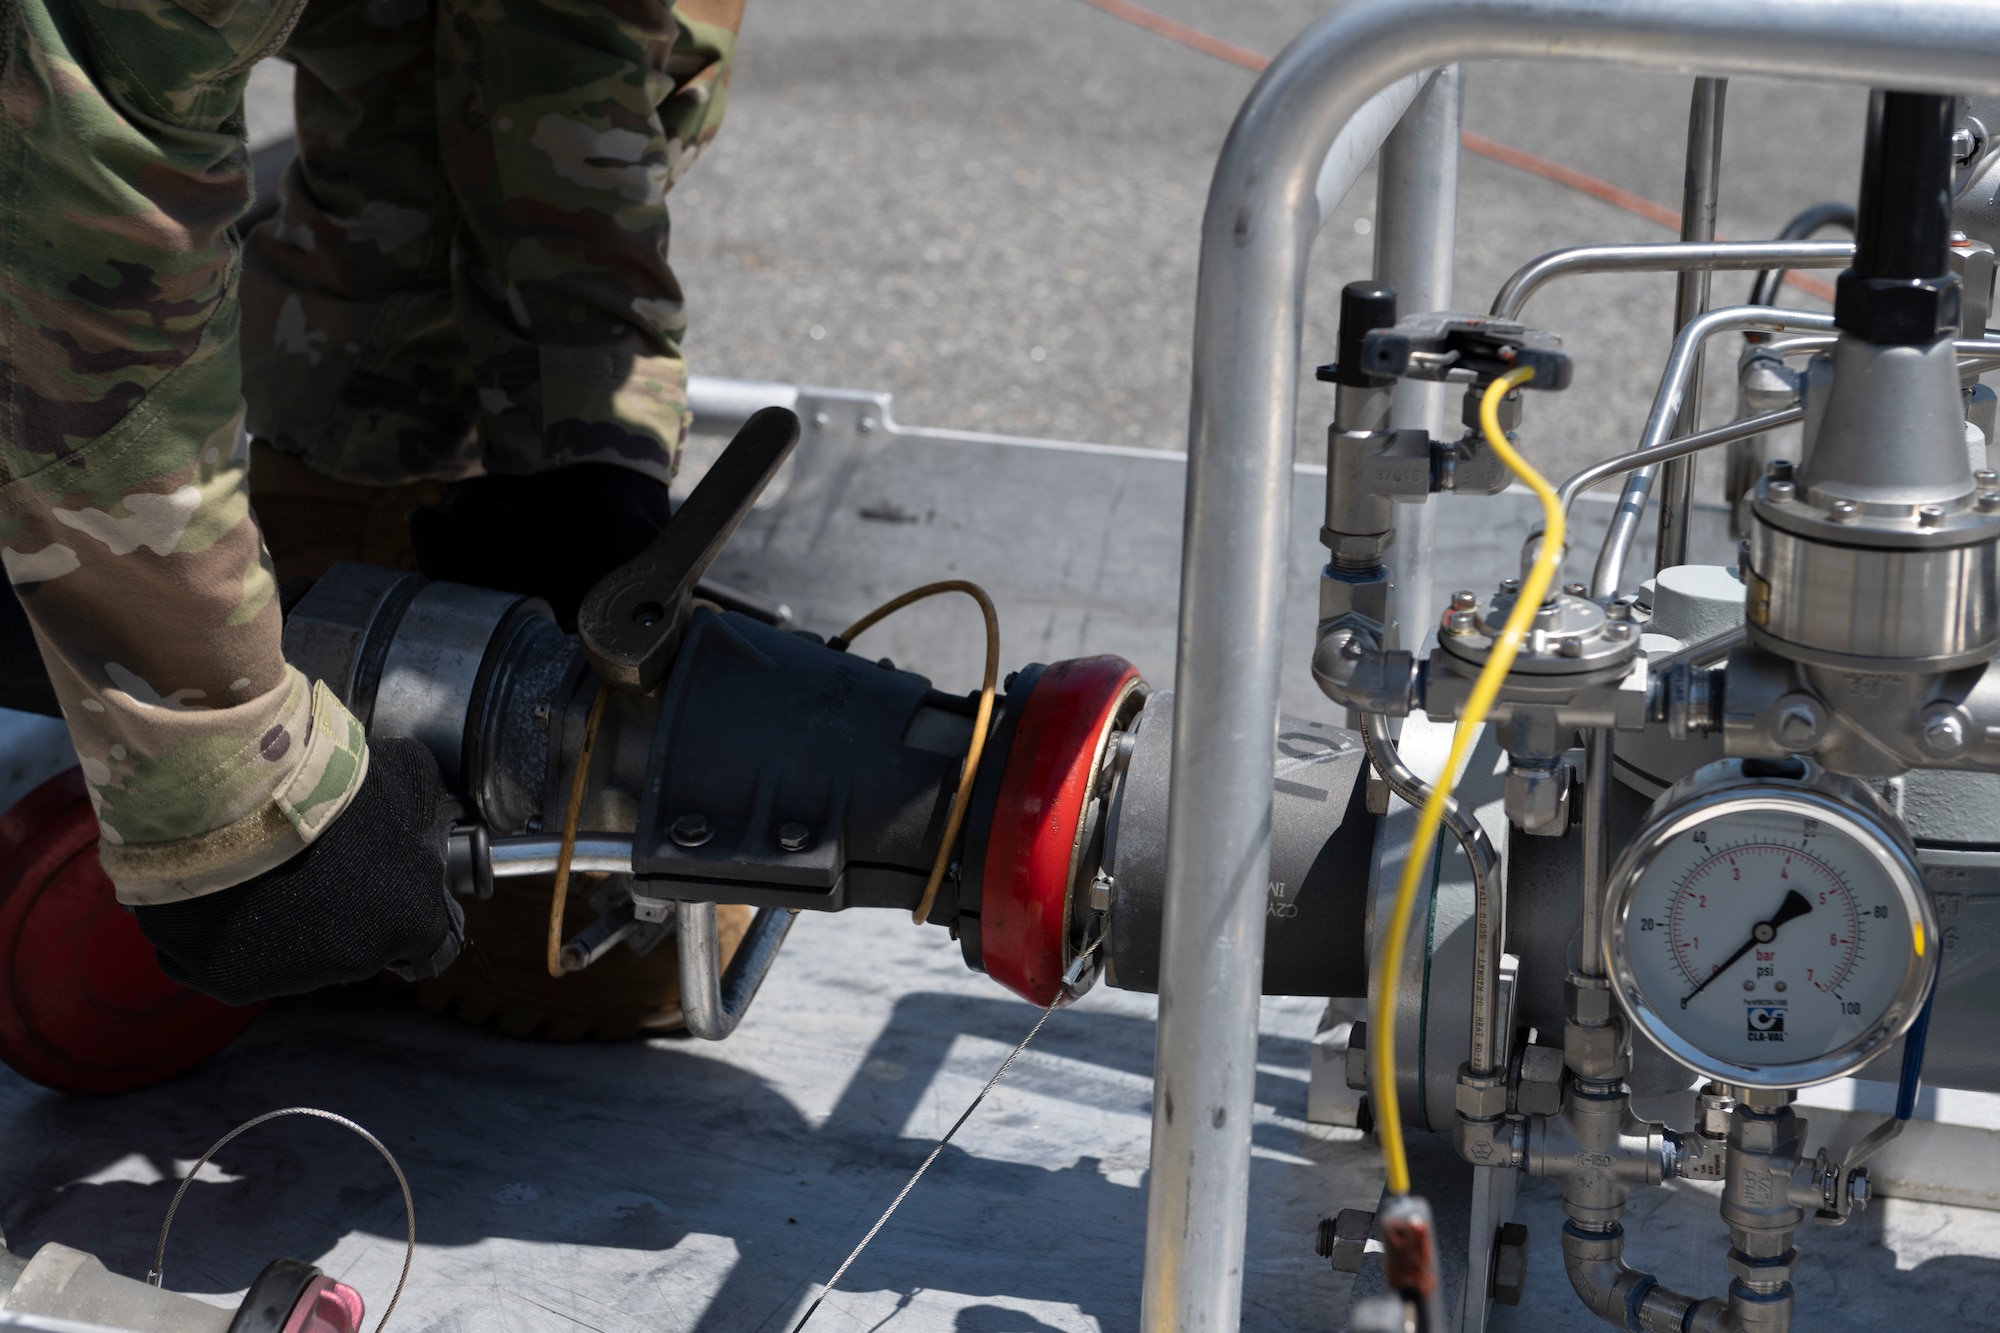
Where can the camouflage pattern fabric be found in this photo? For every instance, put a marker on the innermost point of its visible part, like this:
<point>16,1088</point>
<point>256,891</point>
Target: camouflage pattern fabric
<point>469,265</point>
<point>124,521</point>
<point>124,518</point>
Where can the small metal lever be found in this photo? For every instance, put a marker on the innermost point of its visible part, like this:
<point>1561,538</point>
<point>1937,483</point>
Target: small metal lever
<point>632,621</point>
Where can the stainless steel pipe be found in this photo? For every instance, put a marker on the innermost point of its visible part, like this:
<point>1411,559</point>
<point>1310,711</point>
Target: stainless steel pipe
<point>1663,257</point>
<point>536,854</point>
<point>714,998</point>
<point>1416,217</point>
<point>1668,403</point>
<point>1257,233</point>
<point>1699,196</point>
<point>1488,1050</point>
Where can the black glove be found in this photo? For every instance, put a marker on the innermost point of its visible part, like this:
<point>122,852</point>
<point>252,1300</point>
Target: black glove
<point>552,535</point>
<point>367,894</point>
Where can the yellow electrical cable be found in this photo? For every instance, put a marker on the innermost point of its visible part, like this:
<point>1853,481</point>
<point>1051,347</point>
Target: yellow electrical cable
<point>1389,965</point>
<point>981,721</point>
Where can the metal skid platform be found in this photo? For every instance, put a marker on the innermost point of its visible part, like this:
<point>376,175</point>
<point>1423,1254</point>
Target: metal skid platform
<point>673,1184</point>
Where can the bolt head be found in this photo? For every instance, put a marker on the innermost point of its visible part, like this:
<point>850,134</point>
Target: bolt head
<point>1618,631</point>
<point>1576,590</point>
<point>1858,1189</point>
<point>1781,492</point>
<point>793,836</point>
<point>1510,586</point>
<point>1944,733</point>
<point>1930,516</point>
<point>1986,479</point>
<point>1964,144</point>
<point>1461,622</point>
<point>1797,724</point>
<point>1989,501</point>
<point>1779,469</point>
<point>1464,600</point>
<point>692,829</point>
<point>1570,646</point>
<point>1843,510</point>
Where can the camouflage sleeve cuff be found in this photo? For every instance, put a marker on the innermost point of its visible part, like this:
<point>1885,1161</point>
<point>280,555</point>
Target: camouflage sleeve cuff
<point>298,796</point>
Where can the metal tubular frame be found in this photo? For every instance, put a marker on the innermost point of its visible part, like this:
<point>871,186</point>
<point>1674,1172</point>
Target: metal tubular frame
<point>1257,233</point>
<point>1416,216</point>
<point>1698,203</point>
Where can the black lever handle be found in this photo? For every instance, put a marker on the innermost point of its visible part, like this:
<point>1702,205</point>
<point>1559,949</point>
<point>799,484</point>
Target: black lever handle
<point>632,621</point>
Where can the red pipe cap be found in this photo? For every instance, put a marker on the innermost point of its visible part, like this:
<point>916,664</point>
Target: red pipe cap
<point>84,1006</point>
<point>326,1306</point>
<point>1024,899</point>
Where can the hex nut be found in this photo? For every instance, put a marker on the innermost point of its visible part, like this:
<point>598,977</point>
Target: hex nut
<point>1366,600</point>
<point>1509,1271</point>
<point>1765,1245</point>
<point>1509,413</point>
<point>1944,731</point>
<point>1350,1239</point>
<point>1357,1058</point>
<point>1537,799</point>
<point>1481,1098</point>
<point>692,830</point>
<point>1540,1089</point>
<point>1715,1105</point>
<point>1858,1190</point>
<point>793,836</point>
<point>1361,545</point>
<point>1590,1004</point>
<point>1796,721</point>
<point>1595,1050</point>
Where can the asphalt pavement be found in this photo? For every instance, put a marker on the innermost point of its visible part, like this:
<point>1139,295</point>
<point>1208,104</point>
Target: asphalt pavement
<point>993,211</point>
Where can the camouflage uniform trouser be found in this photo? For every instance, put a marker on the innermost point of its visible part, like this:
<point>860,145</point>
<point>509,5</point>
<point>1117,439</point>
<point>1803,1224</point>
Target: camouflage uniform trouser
<point>469,266</point>
<point>124,516</point>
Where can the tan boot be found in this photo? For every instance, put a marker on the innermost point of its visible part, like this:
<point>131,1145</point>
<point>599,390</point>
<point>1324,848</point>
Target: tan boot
<point>310,521</point>
<point>501,980</point>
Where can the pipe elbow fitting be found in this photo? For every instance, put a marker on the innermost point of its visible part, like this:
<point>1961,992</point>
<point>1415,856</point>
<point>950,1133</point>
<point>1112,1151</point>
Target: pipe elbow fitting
<point>1352,669</point>
<point>1631,1299</point>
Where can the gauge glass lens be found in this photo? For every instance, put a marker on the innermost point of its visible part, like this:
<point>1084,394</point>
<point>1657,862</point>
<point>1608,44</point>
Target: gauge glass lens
<point>1768,937</point>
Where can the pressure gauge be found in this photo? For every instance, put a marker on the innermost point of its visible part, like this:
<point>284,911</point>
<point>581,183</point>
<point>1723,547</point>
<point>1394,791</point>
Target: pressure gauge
<point>1768,925</point>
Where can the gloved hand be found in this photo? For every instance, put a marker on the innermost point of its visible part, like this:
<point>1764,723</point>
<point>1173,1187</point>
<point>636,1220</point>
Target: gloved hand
<point>552,535</point>
<point>367,894</point>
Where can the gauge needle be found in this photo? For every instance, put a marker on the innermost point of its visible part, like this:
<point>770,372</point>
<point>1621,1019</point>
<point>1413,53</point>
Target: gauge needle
<point>1795,905</point>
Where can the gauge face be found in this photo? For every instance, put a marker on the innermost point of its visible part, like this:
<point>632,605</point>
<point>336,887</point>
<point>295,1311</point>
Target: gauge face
<point>1772,935</point>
